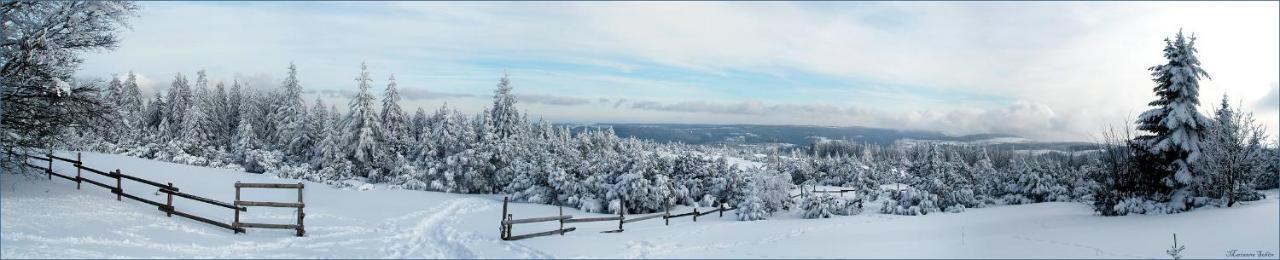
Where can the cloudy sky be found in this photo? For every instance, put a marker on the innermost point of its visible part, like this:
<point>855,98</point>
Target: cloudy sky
<point>1045,70</point>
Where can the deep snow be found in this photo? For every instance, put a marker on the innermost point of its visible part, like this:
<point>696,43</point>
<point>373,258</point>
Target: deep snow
<point>42,218</point>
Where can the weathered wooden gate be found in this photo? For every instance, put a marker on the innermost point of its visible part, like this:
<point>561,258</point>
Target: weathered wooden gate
<point>299,205</point>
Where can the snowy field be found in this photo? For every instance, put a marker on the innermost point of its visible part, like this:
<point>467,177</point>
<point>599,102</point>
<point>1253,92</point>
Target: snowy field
<point>42,218</point>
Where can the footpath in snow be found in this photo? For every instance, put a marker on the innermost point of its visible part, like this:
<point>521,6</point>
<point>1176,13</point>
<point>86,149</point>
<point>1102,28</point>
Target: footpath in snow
<point>42,218</point>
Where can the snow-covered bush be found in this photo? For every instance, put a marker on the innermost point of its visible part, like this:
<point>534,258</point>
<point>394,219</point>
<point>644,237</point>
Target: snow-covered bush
<point>766,193</point>
<point>1136,205</point>
<point>752,208</point>
<point>910,202</point>
<point>259,161</point>
<point>848,206</point>
<point>820,205</point>
<point>292,172</point>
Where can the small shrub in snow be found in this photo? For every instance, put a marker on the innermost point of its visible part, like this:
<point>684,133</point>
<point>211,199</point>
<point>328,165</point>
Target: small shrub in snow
<point>259,161</point>
<point>820,205</point>
<point>848,206</point>
<point>752,209</point>
<point>1136,205</point>
<point>910,202</point>
<point>766,193</point>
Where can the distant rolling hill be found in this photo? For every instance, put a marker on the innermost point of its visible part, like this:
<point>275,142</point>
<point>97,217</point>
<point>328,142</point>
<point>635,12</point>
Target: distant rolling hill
<point>805,135</point>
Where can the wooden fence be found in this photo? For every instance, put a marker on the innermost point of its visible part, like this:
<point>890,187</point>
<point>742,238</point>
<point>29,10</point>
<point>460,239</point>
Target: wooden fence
<point>508,220</point>
<point>167,188</point>
<point>298,227</point>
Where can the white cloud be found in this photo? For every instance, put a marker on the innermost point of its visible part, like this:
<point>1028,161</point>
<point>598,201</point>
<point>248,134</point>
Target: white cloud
<point>1069,66</point>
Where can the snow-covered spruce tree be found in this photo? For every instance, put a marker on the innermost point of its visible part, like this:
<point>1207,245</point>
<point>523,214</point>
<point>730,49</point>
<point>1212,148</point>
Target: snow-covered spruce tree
<point>419,125</point>
<point>987,187</point>
<point>1174,128</point>
<point>1233,155</point>
<point>178,99</point>
<point>40,53</point>
<point>505,131</point>
<point>112,119</point>
<point>331,160</point>
<point>362,134</point>
<point>1020,180</point>
<point>154,116</point>
<point>265,104</point>
<point>317,124</point>
<point>192,133</point>
<point>394,123</point>
<point>291,117</point>
<point>437,141</point>
<point>215,107</point>
<point>503,115</point>
<point>234,100</point>
<point>133,107</point>
<point>246,141</point>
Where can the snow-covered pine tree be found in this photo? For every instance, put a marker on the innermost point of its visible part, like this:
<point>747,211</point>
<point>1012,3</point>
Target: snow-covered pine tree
<point>1174,128</point>
<point>291,115</point>
<point>245,139</point>
<point>505,119</point>
<point>318,125</point>
<point>422,151</point>
<point>363,135</point>
<point>193,132</point>
<point>987,178</point>
<point>132,105</point>
<point>215,107</point>
<point>234,100</point>
<point>418,125</point>
<point>178,101</point>
<point>504,130</point>
<point>393,120</point>
<point>154,116</point>
<point>112,121</point>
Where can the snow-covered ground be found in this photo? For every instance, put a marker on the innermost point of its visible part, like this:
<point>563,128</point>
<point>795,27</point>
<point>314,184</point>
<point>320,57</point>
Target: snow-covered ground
<point>42,218</point>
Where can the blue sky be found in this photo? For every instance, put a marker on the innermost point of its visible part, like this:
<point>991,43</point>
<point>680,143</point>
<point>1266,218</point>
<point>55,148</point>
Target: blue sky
<point>1046,70</point>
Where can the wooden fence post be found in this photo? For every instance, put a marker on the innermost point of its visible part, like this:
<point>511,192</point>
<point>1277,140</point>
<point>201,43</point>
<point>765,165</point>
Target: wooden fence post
<point>722,209</point>
<point>301,214</point>
<point>49,171</point>
<point>119,189</point>
<point>169,213</point>
<point>622,209</point>
<point>666,219</point>
<point>510,226</point>
<point>502,226</point>
<point>236,223</point>
<point>78,170</point>
<point>695,214</point>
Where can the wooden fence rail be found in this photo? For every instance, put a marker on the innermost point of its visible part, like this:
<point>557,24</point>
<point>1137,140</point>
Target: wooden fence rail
<point>535,220</point>
<point>581,220</point>
<point>505,226</point>
<point>645,217</point>
<point>118,188</point>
